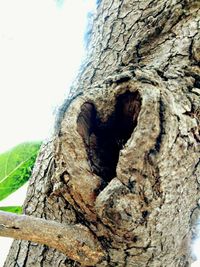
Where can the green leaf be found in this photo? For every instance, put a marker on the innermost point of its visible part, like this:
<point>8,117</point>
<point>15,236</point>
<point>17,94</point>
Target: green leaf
<point>14,209</point>
<point>16,166</point>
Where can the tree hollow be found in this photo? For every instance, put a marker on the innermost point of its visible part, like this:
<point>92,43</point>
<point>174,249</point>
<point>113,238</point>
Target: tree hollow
<point>104,140</point>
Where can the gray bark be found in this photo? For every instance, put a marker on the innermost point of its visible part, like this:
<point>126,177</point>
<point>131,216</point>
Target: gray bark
<point>124,160</point>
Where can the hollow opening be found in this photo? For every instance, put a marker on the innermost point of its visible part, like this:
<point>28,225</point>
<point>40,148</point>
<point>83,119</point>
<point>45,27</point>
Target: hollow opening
<point>104,140</point>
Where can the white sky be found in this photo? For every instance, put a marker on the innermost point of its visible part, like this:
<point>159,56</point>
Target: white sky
<point>41,45</point>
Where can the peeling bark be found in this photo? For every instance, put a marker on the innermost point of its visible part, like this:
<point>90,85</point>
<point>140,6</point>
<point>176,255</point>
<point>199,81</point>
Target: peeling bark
<point>124,160</point>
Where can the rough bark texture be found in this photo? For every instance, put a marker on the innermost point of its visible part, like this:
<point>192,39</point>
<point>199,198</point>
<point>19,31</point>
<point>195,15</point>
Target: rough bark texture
<point>75,241</point>
<point>124,160</point>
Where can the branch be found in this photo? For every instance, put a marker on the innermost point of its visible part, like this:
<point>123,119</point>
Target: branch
<point>75,241</point>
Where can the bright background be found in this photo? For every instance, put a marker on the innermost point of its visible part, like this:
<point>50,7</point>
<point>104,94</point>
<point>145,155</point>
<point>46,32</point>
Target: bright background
<point>41,47</point>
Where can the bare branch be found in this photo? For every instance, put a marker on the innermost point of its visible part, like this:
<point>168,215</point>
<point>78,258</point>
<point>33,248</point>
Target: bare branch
<point>75,241</point>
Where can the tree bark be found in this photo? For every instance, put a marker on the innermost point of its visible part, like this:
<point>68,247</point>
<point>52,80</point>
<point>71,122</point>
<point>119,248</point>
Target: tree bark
<point>124,160</point>
<point>75,241</point>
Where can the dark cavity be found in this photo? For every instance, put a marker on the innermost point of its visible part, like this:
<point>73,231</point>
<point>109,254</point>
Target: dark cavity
<point>104,140</point>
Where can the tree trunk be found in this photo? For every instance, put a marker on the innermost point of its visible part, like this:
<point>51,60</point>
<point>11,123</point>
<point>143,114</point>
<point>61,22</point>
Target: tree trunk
<point>124,160</point>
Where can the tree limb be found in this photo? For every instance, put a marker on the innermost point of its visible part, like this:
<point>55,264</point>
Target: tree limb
<point>75,241</point>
